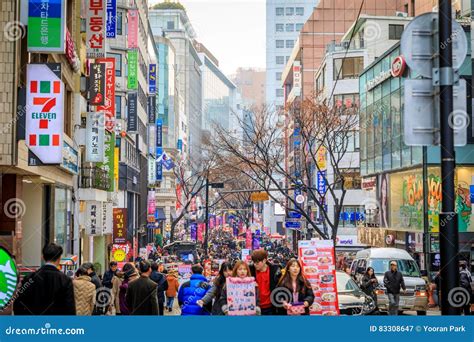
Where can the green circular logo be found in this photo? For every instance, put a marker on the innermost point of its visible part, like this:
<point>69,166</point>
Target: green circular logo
<point>8,278</point>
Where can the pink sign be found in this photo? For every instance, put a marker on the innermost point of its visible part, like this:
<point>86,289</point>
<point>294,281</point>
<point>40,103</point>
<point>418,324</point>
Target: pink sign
<point>241,296</point>
<point>248,239</point>
<point>133,29</point>
<point>151,202</point>
<point>200,232</point>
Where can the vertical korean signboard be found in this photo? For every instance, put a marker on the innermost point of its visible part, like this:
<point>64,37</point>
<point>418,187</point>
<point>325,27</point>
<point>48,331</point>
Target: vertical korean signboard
<point>95,135</point>
<point>120,226</point>
<point>109,100</point>
<point>159,133</point>
<point>132,117</point>
<point>109,163</point>
<point>132,80</point>
<point>46,26</point>
<point>95,30</point>
<point>97,84</point>
<point>111,24</point>
<point>132,41</point>
<point>152,79</point>
<point>45,112</point>
<point>94,218</point>
<point>151,109</point>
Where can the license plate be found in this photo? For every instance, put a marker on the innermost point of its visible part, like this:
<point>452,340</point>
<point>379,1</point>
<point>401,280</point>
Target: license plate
<point>407,301</point>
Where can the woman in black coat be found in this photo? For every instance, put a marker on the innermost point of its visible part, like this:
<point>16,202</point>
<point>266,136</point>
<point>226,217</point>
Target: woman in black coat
<point>369,283</point>
<point>299,287</point>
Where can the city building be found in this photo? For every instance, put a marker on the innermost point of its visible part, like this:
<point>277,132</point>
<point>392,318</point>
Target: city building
<point>251,86</point>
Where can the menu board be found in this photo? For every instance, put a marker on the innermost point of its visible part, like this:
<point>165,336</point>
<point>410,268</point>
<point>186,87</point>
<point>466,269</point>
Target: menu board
<point>241,296</point>
<point>318,262</point>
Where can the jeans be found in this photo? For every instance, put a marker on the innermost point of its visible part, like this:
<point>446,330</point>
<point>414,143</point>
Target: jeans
<point>393,301</point>
<point>169,302</point>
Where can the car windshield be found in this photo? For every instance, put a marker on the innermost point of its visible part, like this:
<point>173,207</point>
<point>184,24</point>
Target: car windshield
<point>345,283</point>
<point>408,268</point>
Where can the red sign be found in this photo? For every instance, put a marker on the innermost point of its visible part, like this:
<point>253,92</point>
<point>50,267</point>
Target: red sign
<point>201,228</point>
<point>398,66</point>
<point>120,226</point>
<point>248,239</point>
<point>109,107</point>
<point>95,33</point>
<point>133,29</point>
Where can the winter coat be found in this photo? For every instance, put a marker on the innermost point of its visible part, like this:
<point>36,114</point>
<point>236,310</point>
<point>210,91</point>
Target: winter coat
<point>219,297</point>
<point>115,307</point>
<point>48,292</point>
<point>95,280</point>
<point>173,286</point>
<point>190,292</point>
<point>393,281</point>
<point>305,294</point>
<point>141,297</point>
<point>275,274</point>
<point>123,306</point>
<point>107,279</point>
<point>367,286</point>
<point>84,295</point>
<point>160,280</point>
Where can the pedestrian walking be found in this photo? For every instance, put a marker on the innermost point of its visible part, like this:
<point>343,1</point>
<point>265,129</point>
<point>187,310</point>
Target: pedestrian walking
<point>393,282</point>
<point>193,290</point>
<point>369,283</point>
<point>48,291</point>
<point>216,292</point>
<point>160,280</point>
<point>141,295</point>
<point>91,273</point>
<point>465,280</point>
<point>296,283</point>
<point>172,291</point>
<point>267,276</point>
<point>109,274</point>
<point>84,293</point>
<point>130,274</point>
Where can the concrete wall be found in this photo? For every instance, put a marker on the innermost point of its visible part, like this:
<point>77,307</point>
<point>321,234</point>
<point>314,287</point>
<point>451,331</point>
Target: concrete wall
<point>31,243</point>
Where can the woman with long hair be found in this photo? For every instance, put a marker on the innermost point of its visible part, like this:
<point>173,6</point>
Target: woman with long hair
<point>369,283</point>
<point>302,295</point>
<point>130,274</point>
<point>215,293</point>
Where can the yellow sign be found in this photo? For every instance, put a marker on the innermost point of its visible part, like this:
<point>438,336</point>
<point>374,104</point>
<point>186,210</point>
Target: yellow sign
<point>119,255</point>
<point>116,167</point>
<point>259,196</point>
<point>321,158</point>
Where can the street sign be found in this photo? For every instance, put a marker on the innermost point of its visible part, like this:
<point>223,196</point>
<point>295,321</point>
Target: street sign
<point>259,196</point>
<point>294,215</point>
<point>419,44</point>
<point>293,224</point>
<point>217,185</point>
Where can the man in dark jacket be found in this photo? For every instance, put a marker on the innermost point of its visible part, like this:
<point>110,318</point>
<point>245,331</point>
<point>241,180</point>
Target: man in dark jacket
<point>160,280</point>
<point>393,282</point>
<point>141,294</point>
<point>192,291</point>
<point>91,273</point>
<point>48,291</point>
<point>109,274</point>
<point>465,280</point>
<point>267,277</point>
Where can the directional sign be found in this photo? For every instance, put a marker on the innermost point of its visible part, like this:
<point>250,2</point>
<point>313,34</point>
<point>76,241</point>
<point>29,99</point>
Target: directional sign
<point>293,225</point>
<point>294,215</point>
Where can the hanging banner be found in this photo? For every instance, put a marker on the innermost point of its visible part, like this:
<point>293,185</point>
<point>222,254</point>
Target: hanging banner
<point>132,61</point>
<point>151,109</point>
<point>116,166</point>
<point>132,41</point>
<point>132,117</point>
<point>94,220</point>
<point>159,171</point>
<point>107,218</point>
<point>109,163</point>
<point>248,239</point>
<point>200,232</point>
<point>95,137</point>
<point>97,84</point>
<point>45,112</point>
<point>120,225</point>
<point>111,24</point>
<point>151,202</point>
<point>159,133</point>
<point>321,182</point>
<point>152,79</point>
<point>151,170</point>
<point>46,26</point>
<point>109,102</point>
<point>321,158</point>
<point>193,228</point>
<point>241,296</point>
<point>95,29</point>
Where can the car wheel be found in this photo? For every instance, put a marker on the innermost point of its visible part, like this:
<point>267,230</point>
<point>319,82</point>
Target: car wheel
<point>421,313</point>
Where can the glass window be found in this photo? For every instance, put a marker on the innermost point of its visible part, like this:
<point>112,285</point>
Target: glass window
<point>287,59</point>
<point>395,32</point>
<point>280,44</point>
<point>290,11</point>
<point>351,67</point>
<point>119,22</point>
<point>278,76</point>
<point>347,104</point>
<point>290,27</point>
<point>290,44</point>
<point>279,27</point>
<point>61,233</point>
<point>279,92</point>
<point>387,134</point>
<point>118,106</point>
<point>279,11</point>
<point>280,59</point>
<point>170,25</point>
<point>351,215</point>
<point>299,10</point>
<point>118,63</point>
<point>299,27</point>
<point>396,129</point>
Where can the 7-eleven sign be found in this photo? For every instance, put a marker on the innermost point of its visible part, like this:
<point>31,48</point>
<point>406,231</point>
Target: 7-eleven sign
<point>45,112</point>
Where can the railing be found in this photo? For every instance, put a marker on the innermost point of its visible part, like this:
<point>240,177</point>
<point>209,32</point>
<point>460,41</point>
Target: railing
<point>94,177</point>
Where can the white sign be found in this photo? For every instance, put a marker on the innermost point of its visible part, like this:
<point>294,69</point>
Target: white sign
<point>245,254</point>
<point>95,137</point>
<point>151,170</point>
<point>299,199</point>
<point>94,218</point>
<point>297,78</point>
<point>95,30</point>
<point>107,218</point>
<point>45,112</point>
<point>347,240</point>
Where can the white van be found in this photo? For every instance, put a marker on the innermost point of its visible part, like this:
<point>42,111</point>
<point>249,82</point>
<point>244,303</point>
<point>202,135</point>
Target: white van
<point>415,298</point>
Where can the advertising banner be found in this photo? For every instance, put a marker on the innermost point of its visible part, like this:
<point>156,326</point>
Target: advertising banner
<point>132,61</point>
<point>111,24</point>
<point>241,296</point>
<point>200,232</point>
<point>109,163</point>
<point>45,112</point>
<point>95,137</point>
<point>248,239</point>
<point>159,133</point>
<point>46,26</point>
<point>321,182</point>
<point>132,117</point>
<point>97,84</point>
<point>152,79</point>
<point>151,170</point>
<point>319,267</point>
<point>151,202</point>
<point>120,225</point>
<point>95,28</point>
<point>107,218</point>
<point>151,109</point>
<point>93,218</point>
<point>121,252</point>
<point>116,167</point>
<point>132,41</point>
<point>109,101</point>
<point>193,227</point>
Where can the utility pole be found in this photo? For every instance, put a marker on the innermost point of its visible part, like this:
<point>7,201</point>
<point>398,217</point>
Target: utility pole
<point>206,233</point>
<point>448,235</point>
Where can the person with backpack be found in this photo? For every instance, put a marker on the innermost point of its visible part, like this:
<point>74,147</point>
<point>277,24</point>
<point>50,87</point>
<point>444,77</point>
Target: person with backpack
<point>192,291</point>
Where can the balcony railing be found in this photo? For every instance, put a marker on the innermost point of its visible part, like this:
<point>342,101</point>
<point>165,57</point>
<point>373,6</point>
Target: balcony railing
<point>95,178</point>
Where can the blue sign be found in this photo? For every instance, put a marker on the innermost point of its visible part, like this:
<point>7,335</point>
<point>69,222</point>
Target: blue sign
<point>167,162</point>
<point>292,224</point>
<point>159,133</point>
<point>472,193</point>
<point>193,227</point>
<point>152,79</point>
<point>294,215</point>
<point>180,145</point>
<point>321,182</point>
<point>111,21</point>
<point>159,171</point>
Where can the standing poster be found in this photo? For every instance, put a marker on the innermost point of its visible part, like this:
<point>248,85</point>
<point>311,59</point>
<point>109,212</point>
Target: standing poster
<point>46,26</point>
<point>111,24</point>
<point>246,254</point>
<point>109,101</point>
<point>95,137</point>
<point>120,225</point>
<point>132,41</point>
<point>319,267</point>
<point>241,296</point>
<point>45,112</point>
<point>152,79</point>
<point>109,163</point>
<point>132,61</point>
<point>132,117</point>
<point>95,28</point>
<point>97,84</point>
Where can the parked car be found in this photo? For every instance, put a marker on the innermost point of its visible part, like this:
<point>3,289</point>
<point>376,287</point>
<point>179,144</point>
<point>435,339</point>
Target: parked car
<point>352,301</point>
<point>415,298</point>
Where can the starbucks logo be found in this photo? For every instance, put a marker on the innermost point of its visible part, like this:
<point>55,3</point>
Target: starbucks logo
<point>8,278</point>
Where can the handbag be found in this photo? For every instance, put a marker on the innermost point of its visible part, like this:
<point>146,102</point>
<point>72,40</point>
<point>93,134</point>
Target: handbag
<point>296,309</point>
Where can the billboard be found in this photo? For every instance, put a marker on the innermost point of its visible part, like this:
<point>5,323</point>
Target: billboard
<point>109,162</point>
<point>95,28</point>
<point>132,117</point>
<point>109,100</point>
<point>46,26</point>
<point>152,79</point>
<point>120,225</point>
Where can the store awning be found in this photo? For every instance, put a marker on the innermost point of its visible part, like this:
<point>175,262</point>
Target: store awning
<point>160,214</point>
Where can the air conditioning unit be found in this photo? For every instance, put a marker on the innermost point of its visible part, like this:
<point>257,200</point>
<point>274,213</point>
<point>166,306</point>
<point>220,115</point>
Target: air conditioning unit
<point>401,14</point>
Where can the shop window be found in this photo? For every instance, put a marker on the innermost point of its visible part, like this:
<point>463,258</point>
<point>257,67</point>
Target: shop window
<point>347,104</point>
<point>119,22</point>
<point>350,216</point>
<point>348,68</point>
<point>118,63</point>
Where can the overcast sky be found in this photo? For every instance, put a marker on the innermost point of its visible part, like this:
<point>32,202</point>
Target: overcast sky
<point>233,30</point>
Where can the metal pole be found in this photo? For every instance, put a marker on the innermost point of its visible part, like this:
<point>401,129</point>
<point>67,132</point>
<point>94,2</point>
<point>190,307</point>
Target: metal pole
<point>206,234</point>
<point>426,228</point>
<point>447,219</point>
